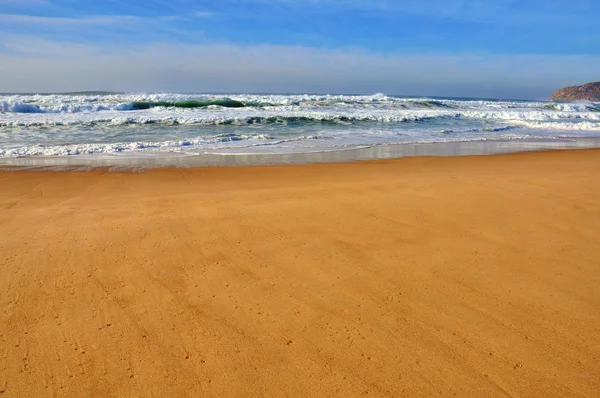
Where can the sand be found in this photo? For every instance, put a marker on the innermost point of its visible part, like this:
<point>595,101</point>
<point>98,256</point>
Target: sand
<point>467,276</point>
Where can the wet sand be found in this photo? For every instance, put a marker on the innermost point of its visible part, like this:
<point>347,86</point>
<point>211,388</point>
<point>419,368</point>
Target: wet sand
<point>467,276</point>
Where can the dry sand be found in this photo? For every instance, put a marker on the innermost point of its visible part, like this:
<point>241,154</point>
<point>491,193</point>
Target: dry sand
<point>467,276</point>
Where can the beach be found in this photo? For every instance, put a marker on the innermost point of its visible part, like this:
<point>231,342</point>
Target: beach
<point>422,276</point>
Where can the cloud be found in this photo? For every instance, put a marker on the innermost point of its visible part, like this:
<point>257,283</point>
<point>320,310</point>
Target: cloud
<point>204,14</point>
<point>496,12</point>
<point>33,65</point>
<point>65,22</point>
<point>24,2</point>
<point>470,10</point>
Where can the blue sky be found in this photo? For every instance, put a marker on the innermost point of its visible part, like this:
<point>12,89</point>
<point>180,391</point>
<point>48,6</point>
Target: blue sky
<point>502,48</point>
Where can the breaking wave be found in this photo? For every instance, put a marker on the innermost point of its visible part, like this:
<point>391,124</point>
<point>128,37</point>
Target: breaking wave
<point>225,103</point>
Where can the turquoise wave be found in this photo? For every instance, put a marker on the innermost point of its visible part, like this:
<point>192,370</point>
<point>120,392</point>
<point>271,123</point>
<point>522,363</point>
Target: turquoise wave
<point>226,103</point>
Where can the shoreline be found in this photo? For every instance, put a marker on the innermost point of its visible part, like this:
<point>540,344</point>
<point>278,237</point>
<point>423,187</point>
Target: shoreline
<point>143,161</point>
<point>422,276</point>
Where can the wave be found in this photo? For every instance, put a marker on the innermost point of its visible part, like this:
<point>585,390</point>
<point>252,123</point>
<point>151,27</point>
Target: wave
<point>225,103</point>
<point>479,130</point>
<point>151,141</point>
<point>101,102</point>
<point>173,146</point>
<point>582,125</point>
<point>223,145</point>
<point>223,119</point>
<point>25,107</point>
<point>87,105</point>
<point>19,107</point>
<point>288,116</point>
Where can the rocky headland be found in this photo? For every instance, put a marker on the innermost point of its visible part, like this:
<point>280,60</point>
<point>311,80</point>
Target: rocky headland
<point>590,91</point>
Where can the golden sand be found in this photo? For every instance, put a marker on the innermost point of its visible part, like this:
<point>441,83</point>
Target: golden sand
<point>467,276</point>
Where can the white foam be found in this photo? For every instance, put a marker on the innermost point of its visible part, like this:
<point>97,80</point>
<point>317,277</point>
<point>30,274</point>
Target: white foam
<point>248,115</point>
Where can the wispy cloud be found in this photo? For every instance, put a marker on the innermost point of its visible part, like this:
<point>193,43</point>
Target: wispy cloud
<point>13,19</point>
<point>204,14</point>
<point>94,20</point>
<point>104,30</point>
<point>502,12</point>
<point>25,2</point>
<point>471,10</point>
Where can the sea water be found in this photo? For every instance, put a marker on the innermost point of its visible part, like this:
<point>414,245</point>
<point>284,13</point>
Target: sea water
<point>133,125</point>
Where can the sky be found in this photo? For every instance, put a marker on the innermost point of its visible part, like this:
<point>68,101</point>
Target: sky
<point>463,48</point>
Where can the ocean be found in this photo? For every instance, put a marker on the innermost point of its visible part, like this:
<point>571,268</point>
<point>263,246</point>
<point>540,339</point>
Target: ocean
<point>134,125</point>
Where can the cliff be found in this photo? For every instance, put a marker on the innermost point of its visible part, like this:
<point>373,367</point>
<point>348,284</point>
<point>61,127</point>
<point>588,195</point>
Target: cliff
<point>590,91</point>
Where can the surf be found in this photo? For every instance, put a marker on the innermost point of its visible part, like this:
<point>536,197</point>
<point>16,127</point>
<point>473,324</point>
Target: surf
<point>225,103</point>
